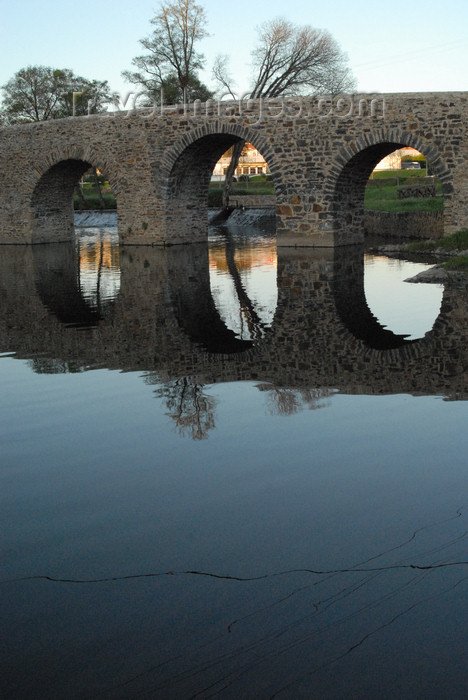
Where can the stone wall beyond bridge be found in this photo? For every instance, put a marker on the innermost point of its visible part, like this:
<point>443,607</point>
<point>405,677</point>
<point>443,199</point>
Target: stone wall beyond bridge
<point>320,152</point>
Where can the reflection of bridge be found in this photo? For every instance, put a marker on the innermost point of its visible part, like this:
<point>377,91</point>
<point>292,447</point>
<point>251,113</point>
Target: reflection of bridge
<point>164,321</point>
<point>320,155</point>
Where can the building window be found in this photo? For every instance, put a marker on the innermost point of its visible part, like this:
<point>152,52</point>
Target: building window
<point>260,171</point>
<point>245,171</point>
<point>252,171</point>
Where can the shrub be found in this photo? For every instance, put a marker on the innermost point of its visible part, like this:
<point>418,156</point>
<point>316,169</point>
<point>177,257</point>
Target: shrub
<point>215,197</point>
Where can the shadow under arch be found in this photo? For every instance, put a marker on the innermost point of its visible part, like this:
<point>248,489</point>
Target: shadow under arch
<point>187,171</point>
<point>57,281</point>
<point>351,302</point>
<point>350,173</point>
<point>52,209</point>
<point>193,304</point>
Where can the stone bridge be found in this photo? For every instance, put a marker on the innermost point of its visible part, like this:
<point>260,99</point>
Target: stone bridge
<point>320,152</point>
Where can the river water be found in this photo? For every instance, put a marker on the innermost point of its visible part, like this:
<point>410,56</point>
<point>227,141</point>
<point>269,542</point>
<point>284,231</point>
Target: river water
<point>230,471</point>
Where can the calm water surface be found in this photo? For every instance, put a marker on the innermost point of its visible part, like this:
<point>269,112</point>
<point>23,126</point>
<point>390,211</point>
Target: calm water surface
<point>230,472</point>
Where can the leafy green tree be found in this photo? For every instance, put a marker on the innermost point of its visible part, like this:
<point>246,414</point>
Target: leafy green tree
<point>172,61</point>
<point>173,93</point>
<point>86,97</point>
<point>38,93</point>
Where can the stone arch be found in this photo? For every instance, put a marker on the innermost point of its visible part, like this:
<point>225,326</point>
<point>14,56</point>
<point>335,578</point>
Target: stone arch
<point>345,186</point>
<point>51,196</point>
<point>227,131</point>
<point>186,169</point>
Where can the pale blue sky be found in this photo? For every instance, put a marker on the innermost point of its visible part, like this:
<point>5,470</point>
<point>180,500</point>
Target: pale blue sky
<point>399,46</point>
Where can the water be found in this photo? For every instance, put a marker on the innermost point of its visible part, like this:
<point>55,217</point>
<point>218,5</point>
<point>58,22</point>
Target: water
<point>230,473</point>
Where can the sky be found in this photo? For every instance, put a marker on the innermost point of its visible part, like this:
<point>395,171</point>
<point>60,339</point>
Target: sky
<point>397,46</point>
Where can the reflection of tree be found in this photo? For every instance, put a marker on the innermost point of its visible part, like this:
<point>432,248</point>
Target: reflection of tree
<point>285,401</point>
<point>247,310</point>
<point>50,365</point>
<point>189,407</point>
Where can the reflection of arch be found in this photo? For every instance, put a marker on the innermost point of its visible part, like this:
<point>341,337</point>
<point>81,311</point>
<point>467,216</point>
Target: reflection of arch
<point>193,304</point>
<point>52,197</point>
<point>57,280</point>
<point>351,303</point>
<point>353,166</point>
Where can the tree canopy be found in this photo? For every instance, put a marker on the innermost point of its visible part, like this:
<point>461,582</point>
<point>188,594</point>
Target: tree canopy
<point>172,60</point>
<point>292,60</point>
<point>38,93</point>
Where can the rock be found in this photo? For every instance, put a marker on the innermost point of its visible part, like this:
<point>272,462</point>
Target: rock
<point>437,275</point>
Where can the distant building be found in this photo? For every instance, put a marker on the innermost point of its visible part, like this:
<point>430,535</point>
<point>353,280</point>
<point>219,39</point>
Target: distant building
<point>251,162</point>
<point>393,160</point>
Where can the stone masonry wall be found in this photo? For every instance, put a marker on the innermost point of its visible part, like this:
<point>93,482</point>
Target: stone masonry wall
<point>320,154</point>
<point>404,224</point>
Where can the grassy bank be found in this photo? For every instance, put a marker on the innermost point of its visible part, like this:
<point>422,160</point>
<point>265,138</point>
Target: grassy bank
<point>91,197</point>
<point>457,241</point>
<point>454,245</point>
<point>260,186</point>
<point>382,192</point>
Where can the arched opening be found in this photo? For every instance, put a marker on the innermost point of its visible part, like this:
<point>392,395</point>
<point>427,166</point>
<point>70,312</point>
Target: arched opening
<point>404,181</point>
<point>394,178</point>
<point>195,183</point>
<point>243,176</point>
<point>68,188</point>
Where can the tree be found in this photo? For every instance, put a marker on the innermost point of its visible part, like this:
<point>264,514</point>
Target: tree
<point>289,60</point>
<point>38,93</point>
<point>85,97</point>
<point>174,94</point>
<point>171,58</point>
<point>292,60</point>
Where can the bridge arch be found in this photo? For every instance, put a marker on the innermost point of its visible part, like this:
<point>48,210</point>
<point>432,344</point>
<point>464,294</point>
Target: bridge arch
<point>353,165</point>
<point>186,169</point>
<point>51,199</point>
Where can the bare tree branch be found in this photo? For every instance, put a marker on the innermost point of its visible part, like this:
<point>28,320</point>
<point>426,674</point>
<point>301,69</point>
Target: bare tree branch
<point>171,51</point>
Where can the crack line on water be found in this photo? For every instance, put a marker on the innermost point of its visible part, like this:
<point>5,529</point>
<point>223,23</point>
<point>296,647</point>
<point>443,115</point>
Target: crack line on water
<point>230,577</point>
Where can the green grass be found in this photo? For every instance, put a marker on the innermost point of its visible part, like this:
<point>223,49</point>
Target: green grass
<point>397,176</point>
<point>261,186</point>
<point>239,189</point>
<point>92,200</point>
<point>456,241</point>
<point>382,192</point>
<point>457,264</point>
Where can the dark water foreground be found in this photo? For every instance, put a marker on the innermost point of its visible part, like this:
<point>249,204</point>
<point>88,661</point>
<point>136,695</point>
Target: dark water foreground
<point>224,474</point>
